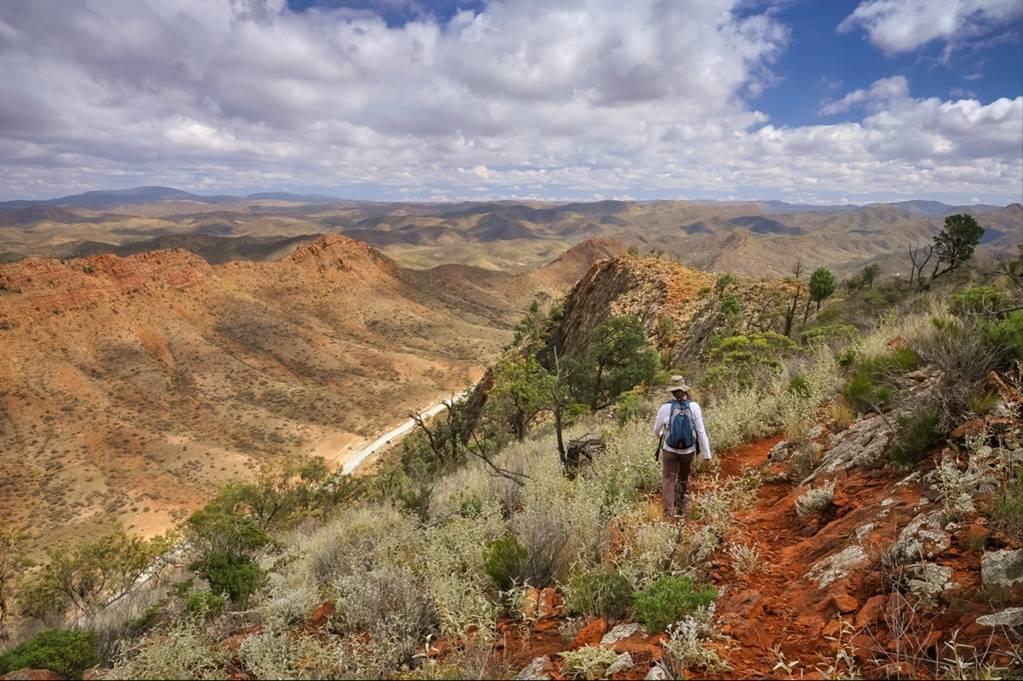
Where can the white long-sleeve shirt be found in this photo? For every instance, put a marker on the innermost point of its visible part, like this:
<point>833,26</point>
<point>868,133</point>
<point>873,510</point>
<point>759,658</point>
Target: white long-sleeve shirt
<point>661,426</point>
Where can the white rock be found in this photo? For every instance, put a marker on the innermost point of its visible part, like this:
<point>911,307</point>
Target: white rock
<point>1003,568</point>
<point>619,633</point>
<point>534,670</point>
<point>923,537</point>
<point>621,664</point>
<point>1010,617</point>
<point>656,673</point>
<point>928,580</point>
<point>837,565</point>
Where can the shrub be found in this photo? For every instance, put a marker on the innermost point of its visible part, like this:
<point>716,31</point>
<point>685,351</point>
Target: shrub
<point>745,558</point>
<point>1006,334</point>
<point>391,606</point>
<point>229,573</point>
<point>686,647</point>
<point>1007,514</point>
<point>68,652</point>
<point>669,599</point>
<point>629,406</point>
<point>204,604</point>
<point>816,499</point>
<point>273,655</point>
<point>863,393</point>
<point>828,333</point>
<point>599,592</point>
<point>504,561</point>
<point>590,662</point>
<point>181,653</point>
<point>915,435</point>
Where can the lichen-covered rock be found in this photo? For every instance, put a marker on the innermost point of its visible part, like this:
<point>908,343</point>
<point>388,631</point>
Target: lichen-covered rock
<point>656,673</point>
<point>622,663</point>
<point>927,580</point>
<point>862,444</point>
<point>619,633</point>
<point>535,670</point>
<point>1010,617</point>
<point>780,451</point>
<point>923,538</point>
<point>1001,568</point>
<point>837,565</point>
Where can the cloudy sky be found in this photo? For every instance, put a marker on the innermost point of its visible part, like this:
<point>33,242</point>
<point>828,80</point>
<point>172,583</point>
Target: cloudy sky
<point>799,100</point>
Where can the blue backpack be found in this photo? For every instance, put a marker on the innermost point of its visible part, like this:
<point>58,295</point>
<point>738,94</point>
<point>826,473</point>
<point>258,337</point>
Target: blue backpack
<point>681,435</point>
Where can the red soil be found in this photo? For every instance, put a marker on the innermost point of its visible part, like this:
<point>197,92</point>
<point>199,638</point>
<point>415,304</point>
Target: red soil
<point>778,609</point>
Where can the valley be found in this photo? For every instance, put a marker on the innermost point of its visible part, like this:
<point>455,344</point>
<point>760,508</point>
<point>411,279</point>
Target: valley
<point>132,388</point>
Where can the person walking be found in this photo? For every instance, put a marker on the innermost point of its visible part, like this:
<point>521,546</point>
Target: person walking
<point>681,435</point>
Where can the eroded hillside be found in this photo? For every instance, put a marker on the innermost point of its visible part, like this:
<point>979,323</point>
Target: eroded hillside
<point>132,388</point>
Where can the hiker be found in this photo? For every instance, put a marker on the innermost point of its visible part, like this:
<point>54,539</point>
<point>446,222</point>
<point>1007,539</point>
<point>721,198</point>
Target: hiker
<point>679,428</point>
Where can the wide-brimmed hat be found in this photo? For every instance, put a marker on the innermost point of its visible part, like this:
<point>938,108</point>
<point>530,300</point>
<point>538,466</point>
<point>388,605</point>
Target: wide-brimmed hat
<point>678,383</point>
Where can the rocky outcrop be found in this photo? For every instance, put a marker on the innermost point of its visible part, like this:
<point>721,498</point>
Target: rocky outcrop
<point>650,288</point>
<point>1001,568</point>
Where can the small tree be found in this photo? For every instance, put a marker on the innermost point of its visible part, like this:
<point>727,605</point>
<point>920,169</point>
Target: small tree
<point>521,391</point>
<point>618,358</point>
<point>822,286</point>
<point>790,313</point>
<point>955,243</point>
<point>869,274</point>
<point>83,578</point>
<point>919,256</point>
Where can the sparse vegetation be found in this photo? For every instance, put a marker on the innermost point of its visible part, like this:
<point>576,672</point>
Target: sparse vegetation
<point>815,499</point>
<point>916,434</point>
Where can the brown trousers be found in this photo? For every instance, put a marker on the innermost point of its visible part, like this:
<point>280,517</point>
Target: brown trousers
<point>674,481</point>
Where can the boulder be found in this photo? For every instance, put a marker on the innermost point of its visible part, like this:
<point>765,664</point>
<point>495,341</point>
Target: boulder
<point>591,634</point>
<point>1010,617</point>
<point>621,664</point>
<point>924,537</point>
<point>620,633</point>
<point>837,565</point>
<point>871,611</point>
<point>779,452</point>
<point>656,673</point>
<point>539,604</point>
<point>844,603</point>
<point>321,615</point>
<point>1001,568</point>
<point>31,675</point>
<point>535,670</point>
<point>927,580</point>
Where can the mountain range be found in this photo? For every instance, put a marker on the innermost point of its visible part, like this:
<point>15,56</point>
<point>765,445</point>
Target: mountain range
<point>753,238</point>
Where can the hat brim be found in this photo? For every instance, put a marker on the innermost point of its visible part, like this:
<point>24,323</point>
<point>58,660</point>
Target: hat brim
<point>678,386</point>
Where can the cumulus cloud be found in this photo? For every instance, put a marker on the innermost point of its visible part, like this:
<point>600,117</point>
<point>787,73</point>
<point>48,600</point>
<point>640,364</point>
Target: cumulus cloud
<point>529,98</point>
<point>884,90</point>
<point>898,26</point>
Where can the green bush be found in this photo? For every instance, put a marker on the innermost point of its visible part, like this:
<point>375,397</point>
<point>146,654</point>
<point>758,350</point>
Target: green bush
<point>68,652</point>
<point>915,435</point>
<point>229,573</point>
<point>471,507</point>
<point>1006,334</point>
<point>669,599</point>
<point>863,393</point>
<point>204,604</point>
<point>827,333</point>
<point>504,561</point>
<point>599,592</point>
<point>978,300</point>
<point>630,404</point>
